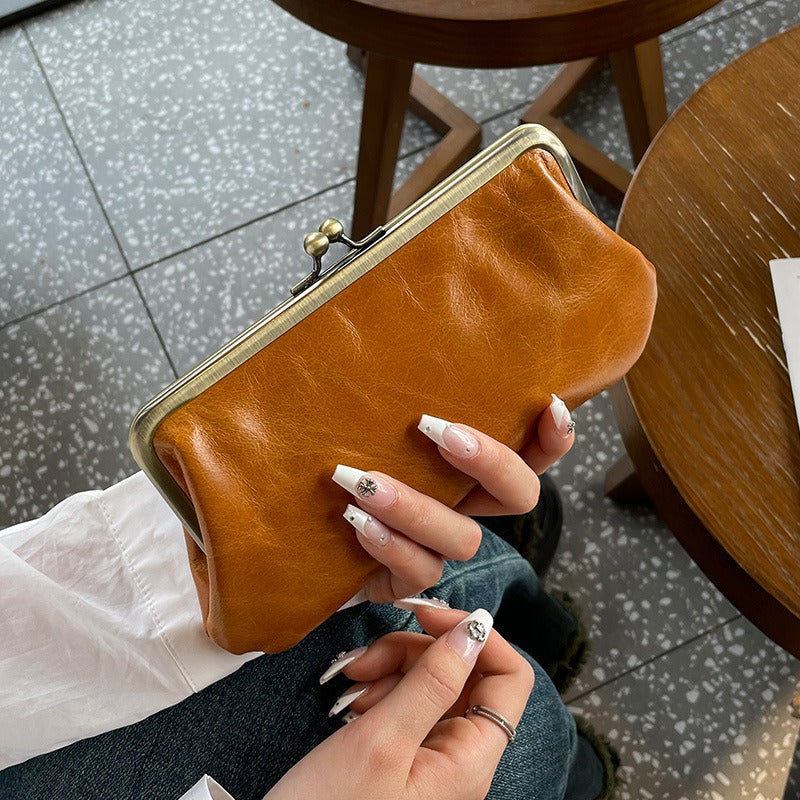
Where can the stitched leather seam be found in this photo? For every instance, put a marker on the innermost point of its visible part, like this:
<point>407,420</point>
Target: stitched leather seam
<point>147,598</point>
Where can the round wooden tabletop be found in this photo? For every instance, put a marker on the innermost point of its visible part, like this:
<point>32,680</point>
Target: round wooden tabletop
<point>716,197</point>
<point>494,33</point>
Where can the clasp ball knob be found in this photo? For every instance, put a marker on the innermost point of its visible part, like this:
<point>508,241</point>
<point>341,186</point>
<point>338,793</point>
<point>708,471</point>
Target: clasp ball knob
<point>332,228</point>
<point>316,244</point>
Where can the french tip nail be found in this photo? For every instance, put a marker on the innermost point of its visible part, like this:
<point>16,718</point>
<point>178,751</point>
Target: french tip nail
<point>470,635</point>
<point>356,516</point>
<point>359,597</point>
<point>350,716</point>
<point>347,477</point>
<point>433,428</point>
<point>412,603</point>
<point>561,416</point>
<point>340,663</point>
<point>344,701</point>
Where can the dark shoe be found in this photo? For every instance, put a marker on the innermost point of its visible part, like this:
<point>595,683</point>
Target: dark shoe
<point>534,535</point>
<point>604,777</point>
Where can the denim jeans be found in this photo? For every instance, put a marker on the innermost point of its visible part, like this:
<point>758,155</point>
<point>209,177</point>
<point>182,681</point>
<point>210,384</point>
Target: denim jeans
<point>248,729</point>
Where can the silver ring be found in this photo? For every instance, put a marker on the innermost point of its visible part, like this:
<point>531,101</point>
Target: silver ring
<point>498,719</point>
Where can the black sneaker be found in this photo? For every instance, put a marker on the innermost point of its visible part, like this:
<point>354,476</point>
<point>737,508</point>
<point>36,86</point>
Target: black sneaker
<point>534,535</point>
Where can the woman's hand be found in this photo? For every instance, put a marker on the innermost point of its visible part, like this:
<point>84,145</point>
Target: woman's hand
<point>412,534</point>
<point>413,740</point>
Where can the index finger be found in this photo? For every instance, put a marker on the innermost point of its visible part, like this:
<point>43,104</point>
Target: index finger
<point>506,678</point>
<point>434,683</point>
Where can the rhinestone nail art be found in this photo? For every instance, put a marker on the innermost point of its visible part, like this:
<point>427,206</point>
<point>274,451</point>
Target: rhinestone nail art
<point>367,487</point>
<point>477,630</point>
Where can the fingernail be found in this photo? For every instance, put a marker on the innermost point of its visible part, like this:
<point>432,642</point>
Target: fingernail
<point>369,488</point>
<point>371,529</point>
<point>350,716</point>
<point>470,635</point>
<point>561,416</point>
<point>340,662</point>
<point>410,603</point>
<point>455,440</point>
<point>359,597</point>
<point>345,700</point>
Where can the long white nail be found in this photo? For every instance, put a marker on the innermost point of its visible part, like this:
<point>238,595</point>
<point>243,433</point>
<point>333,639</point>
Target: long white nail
<point>350,716</point>
<point>561,416</point>
<point>359,597</point>
<point>370,489</point>
<point>373,530</point>
<point>410,603</point>
<point>340,662</point>
<point>450,436</point>
<point>345,700</point>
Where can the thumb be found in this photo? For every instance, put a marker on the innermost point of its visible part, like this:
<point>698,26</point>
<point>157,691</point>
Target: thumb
<point>436,681</point>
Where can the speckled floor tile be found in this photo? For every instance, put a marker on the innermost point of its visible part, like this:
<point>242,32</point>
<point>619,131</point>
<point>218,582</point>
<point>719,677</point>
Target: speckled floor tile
<point>54,241</point>
<point>724,9</point>
<point>710,720</point>
<point>484,93</point>
<point>202,298</point>
<point>695,58</point>
<point>640,594</point>
<point>73,377</point>
<point>195,119</point>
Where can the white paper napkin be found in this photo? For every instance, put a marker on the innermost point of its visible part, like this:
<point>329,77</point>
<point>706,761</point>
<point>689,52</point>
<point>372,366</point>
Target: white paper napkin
<point>786,283</point>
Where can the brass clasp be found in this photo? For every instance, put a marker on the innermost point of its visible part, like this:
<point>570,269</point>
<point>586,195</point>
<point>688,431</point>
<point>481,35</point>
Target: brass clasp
<point>316,244</point>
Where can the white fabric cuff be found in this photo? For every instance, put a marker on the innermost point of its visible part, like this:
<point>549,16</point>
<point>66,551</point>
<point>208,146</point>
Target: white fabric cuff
<point>206,789</point>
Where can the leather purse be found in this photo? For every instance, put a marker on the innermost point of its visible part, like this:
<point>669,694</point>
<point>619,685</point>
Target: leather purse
<point>495,289</point>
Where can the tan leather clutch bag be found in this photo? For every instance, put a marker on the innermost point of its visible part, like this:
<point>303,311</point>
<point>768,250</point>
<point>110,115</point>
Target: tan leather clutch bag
<point>495,289</point>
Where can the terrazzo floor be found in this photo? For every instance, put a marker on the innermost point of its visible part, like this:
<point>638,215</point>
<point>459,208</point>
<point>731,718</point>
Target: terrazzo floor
<point>160,165</point>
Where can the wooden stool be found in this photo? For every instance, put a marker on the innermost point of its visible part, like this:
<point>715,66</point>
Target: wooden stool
<point>387,37</point>
<point>706,414</point>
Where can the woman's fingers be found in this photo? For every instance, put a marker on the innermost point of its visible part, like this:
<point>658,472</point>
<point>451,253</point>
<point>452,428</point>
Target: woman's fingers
<point>502,681</point>
<point>509,485</point>
<point>433,684</point>
<point>410,568</point>
<point>411,533</point>
<point>398,507</point>
<point>425,687</point>
<point>554,437</point>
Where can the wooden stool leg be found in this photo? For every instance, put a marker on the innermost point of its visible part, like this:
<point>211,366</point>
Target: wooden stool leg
<point>639,77</point>
<point>461,139</point>
<point>594,166</point>
<point>385,99</point>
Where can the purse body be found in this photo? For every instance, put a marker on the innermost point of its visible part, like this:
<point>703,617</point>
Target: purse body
<point>515,291</point>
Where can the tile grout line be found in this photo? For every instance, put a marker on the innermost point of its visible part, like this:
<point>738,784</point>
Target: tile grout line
<point>722,18</point>
<point>96,194</point>
<point>63,300</point>
<point>691,640</point>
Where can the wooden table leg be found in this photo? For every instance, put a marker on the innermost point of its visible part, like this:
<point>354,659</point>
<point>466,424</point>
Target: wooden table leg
<point>385,100</point>
<point>622,483</point>
<point>758,605</point>
<point>639,77</point>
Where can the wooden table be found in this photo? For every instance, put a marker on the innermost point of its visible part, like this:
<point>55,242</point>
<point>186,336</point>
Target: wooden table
<point>387,37</point>
<point>707,414</point>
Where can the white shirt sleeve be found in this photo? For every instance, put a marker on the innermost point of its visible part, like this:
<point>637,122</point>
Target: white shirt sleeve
<point>206,789</point>
<point>100,625</point>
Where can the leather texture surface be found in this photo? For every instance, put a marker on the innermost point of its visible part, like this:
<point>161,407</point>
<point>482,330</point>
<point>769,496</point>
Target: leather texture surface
<point>516,292</point>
